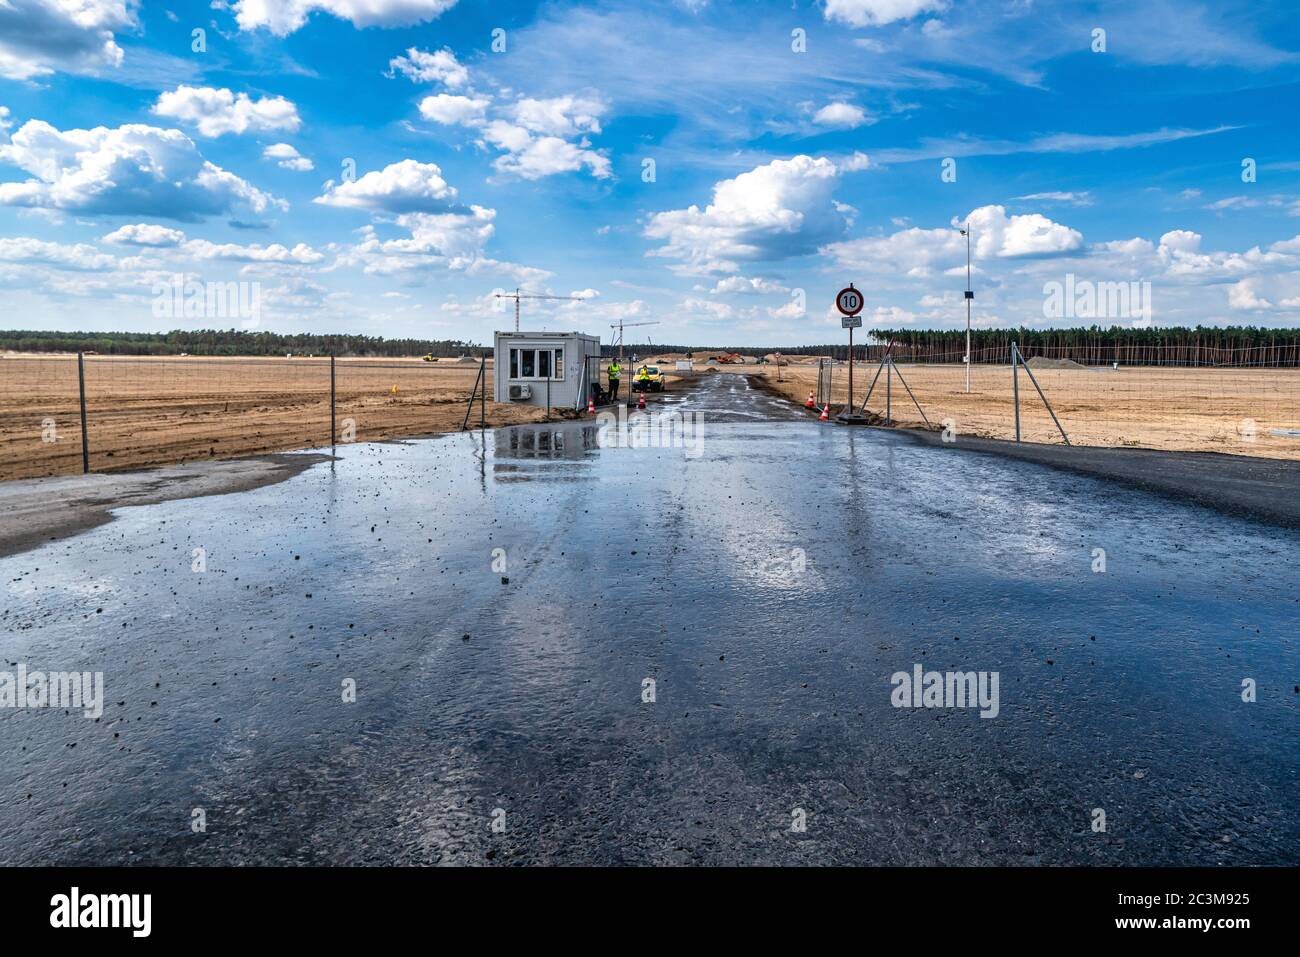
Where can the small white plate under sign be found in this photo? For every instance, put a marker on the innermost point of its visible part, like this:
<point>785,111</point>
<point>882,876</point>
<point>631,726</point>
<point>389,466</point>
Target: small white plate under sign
<point>850,322</point>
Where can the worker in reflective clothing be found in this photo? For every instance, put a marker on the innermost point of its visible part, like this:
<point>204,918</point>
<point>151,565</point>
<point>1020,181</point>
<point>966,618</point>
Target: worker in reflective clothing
<point>642,377</point>
<point>615,372</point>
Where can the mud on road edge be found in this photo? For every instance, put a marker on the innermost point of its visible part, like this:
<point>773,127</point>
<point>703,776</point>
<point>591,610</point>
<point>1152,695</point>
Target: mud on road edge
<point>40,510</point>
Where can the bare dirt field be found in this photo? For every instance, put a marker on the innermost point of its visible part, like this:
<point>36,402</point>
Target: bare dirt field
<point>1188,409</point>
<point>166,410</point>
<point>153,411</point>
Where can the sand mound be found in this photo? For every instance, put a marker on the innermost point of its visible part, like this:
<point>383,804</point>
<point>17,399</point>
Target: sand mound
<point>1041,362</point>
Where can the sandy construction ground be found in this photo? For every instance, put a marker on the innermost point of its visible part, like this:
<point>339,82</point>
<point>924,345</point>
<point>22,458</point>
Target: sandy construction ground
<point>160,411</point>
<point>1189,409</point>
<point>165,410</point>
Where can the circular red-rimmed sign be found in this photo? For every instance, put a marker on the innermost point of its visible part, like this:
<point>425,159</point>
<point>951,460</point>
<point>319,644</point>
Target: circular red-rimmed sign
<point>849,301</point>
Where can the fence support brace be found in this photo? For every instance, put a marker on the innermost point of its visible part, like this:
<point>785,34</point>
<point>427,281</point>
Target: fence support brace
<point>476,394</point>
<point>1016,360</point>
<point>890,369</point>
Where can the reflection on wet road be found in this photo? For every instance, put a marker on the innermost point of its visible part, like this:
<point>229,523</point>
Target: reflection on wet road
<point>770,587</point>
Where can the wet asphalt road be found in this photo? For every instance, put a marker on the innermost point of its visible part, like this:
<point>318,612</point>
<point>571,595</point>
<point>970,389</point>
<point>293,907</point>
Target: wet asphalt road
<point>770,586</point>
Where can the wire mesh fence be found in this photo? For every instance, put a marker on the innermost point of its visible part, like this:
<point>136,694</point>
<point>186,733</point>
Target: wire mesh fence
<point>143,411</point>
<point>1239,404</point>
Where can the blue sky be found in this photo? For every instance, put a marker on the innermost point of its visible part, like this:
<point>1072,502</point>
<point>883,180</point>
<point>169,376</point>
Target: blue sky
<point>382,166</point>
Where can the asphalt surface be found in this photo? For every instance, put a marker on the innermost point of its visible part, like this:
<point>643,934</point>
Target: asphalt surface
<point>1266,489</point>
<point>769,580</point>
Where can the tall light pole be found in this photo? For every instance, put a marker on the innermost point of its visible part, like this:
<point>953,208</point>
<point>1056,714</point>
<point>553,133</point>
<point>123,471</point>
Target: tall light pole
<point>965,231</point>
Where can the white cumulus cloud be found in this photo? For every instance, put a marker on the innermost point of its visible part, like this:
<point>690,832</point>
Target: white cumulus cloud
<point>145,234</point>
<point>39,37</point>
<point>543,137</point>
<point>217,112</point>
<point>283,17</point>
<point>845,116</point>
<point>80,256</point>
<point>286,157</point>
<point>745,285</point>
<point>779,210</point>
<point>560,115</point>
<point>531,157</point>
<point>441,66</point>
<point>1242,295</point>
<point>915,252</point>
<point>451,110</point>
<point>130,170</point>
<point>253,253</point>
<point>875,13</point>
<point>453,242</point>
<point>407,186</point>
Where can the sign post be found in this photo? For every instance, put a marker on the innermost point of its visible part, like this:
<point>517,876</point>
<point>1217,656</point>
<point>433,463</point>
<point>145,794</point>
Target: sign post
<point>849,302</point>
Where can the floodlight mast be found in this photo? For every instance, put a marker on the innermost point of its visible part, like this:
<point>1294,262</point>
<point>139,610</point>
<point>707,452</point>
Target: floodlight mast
<point>965,231</point>
<point>516,296</point>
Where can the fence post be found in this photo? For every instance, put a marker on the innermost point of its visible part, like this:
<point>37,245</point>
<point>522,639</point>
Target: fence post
<point>482,399</point>
<point>85,440</point>
<point>1015,384</point>
<point>889,381</point>
<point>333,428</point>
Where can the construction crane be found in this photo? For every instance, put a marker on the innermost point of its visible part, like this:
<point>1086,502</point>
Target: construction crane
<point>622,325</point>
<point>516,296</point>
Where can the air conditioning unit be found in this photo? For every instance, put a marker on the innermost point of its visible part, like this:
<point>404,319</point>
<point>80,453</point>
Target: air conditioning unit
<point>518,392</point>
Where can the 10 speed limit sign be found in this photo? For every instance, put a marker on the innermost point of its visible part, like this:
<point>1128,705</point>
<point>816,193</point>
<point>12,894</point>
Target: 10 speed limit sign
<point>849,301</point>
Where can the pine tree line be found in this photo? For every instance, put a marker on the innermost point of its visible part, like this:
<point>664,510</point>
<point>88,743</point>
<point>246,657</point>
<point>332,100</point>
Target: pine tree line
<point>1202,345</point>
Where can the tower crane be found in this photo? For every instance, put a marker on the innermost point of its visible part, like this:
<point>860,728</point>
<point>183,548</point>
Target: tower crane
<point>628,325</point>
<point>516,296</point>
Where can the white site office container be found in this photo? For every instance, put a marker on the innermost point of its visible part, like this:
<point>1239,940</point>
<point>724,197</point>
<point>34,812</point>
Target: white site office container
<point>545,368</point>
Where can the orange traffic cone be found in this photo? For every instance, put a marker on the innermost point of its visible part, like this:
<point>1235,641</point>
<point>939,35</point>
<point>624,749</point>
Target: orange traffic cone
<point>826,414</point>
<point>640,402</point>
<point>811,403</point>
<point>591,405</point>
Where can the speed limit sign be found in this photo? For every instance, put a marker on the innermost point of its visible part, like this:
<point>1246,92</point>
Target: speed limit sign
<point>849,301</point>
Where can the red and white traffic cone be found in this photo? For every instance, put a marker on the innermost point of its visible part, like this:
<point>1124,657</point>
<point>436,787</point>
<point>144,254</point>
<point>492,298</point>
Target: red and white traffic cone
<point>811,403</point>
<point>640,401</point>
<point>591,405</point>
<point>826,414</point>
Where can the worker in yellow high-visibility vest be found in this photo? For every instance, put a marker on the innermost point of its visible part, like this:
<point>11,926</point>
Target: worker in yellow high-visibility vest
<point>615,373</point>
